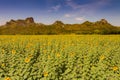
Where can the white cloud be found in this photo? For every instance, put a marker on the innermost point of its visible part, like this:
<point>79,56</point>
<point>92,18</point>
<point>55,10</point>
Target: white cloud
<point>79,18</point>
<point>67,15</point>
<point>96,4</point>
<point>56,8</point>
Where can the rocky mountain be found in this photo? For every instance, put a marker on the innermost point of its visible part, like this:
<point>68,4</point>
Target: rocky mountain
<point>103,21</point>
<point>29,27</point>
<point>20,22</point>
<point>58,23</point>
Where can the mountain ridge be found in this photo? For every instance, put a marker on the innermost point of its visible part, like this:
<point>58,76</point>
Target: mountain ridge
<point>29,27</point>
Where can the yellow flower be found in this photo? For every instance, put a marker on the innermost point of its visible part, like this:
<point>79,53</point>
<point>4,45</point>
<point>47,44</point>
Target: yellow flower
<point>27,60</point>
<point>3,65</point>
<point>49,57</point>
<point>102,57</point>
<point>29,45</point>
<point>13,51</point>
<point>85,56</point>
<point>45,74</point>
<point>115,68</point>
<point>44,45</point>
<point>49,43</point>
<point>44,51</point>
<point>52,51</point>
<point>72,44</point>
<point>72,54</point>
<point>7,78</point>
<point>58,54</point>
<point>3,50</point>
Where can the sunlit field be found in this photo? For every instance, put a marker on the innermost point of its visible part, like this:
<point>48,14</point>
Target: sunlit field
<point>60,57</point>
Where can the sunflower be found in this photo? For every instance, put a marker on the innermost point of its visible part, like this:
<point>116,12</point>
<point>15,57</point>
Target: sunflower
<point>102,57</point>
<point>7,78</point>
<point>45,74</point>
<point>27,60</point>
<point>115,68</point>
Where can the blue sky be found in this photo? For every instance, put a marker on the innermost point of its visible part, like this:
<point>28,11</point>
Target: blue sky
<point>68,11</point>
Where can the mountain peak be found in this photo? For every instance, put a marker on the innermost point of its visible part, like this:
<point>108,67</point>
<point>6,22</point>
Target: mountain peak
<point>103,21</point>
<point>58,23</point>
<point>21,22</point>
<point>29,20</point>
<point>27,26</point>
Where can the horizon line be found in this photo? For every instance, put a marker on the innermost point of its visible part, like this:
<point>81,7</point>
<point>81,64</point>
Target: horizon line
<point>57,20</point>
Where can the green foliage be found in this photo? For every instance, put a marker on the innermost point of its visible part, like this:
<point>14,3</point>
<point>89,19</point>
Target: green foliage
<point>22,27</point>
<point>94,57</point>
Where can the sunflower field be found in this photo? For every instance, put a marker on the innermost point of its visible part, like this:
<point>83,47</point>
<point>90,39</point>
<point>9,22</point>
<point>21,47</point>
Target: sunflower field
<point>60,57</point>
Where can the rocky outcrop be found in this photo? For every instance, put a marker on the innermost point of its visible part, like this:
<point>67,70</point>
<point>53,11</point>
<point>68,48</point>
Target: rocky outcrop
<point>28,26</point>
<point>104,21</point>
<point>11,22</point>
<point>21,22</point>
<point>58,23</point>
<point>29,20</point>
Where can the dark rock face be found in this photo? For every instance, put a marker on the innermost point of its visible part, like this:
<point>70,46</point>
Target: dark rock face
<point>28,27</point>
<point>11,22</point>
<point>21,22</point>
<point>58,23</point>
<point>29,20</point>
<point>104,21</point>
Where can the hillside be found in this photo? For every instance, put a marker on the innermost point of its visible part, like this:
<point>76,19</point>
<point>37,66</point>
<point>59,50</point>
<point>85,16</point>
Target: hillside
<point>29,27</point>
